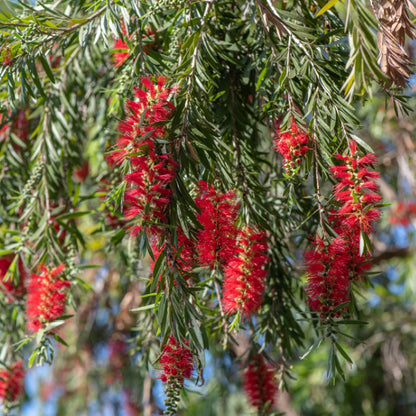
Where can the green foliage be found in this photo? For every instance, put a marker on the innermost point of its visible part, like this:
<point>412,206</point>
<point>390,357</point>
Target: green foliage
<point>238,68</point>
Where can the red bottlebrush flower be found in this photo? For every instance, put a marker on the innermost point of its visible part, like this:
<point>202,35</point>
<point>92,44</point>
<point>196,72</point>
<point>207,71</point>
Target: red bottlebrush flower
<point>46,297</point>
<point>177,362</point>
<point>12,382</point>
<point>357,264</point>
<point>327,266</point>
<point>117,360</point>
<point>21,125</point>
<point>244,274</point>
<point>217,239</point>
<point>81,173</point>
<point>149,194</point>
<point>130,408</point>
<point>6,57</point>
<point>356,190</point>
<point>120,57</point>
<point>12,289</point>
<point>259,383</point>
<point>138,131</point>
<point>403,213</point>
<point>3,128</point>
<point>291,145</point>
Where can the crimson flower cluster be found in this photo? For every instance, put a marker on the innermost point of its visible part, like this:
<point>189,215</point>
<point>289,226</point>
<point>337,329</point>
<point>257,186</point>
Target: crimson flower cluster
<point>177,363</point>
<point>327,267</point>
<point>259,383</point>
<point>12,382</point>
<point>121,56</point>
<point>218,215</point>
<point>118,358</point>
<point>46,297</point>
<point>357,190</point>
<point>332,265</point>
<point>244,274</point>
<point>13,290</point>
<point>4,128</point>
<point>19,126</point>
<point>292,145</point>
<point>148,193</point>
<point>403,213</point>
<point>6,57</point>
<point>240,253</point>
<point>124,51</point>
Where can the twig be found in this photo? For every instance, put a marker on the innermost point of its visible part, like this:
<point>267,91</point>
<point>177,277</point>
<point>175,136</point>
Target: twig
<point>224,321</point>
<point>317,180</point>
<point>59,29</point>
<point>43,161</point>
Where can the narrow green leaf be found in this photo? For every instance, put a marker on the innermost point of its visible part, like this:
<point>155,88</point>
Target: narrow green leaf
<point>59,339</point>
<point>343,352</point>
<point>327,6</point>
<point>47,68</point>
<point>261,77</point>
<point>143,308</point>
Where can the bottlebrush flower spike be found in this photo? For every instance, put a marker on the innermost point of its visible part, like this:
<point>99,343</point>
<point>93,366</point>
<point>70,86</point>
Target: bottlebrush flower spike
<point>218,214</point>
<point>149,195</point>
<point>117,360</point>
<point>292,145</point>
<point>357,190</point>
<point>403,213</point>
<point>244,274</point>
<point>121,56</point>
<point>6,57</point>
<point>12,382</point>
<point>327,266</point>
<point>4,128</point>
<point>259,383</point>
<point>46,297</point>
<point>139,131</point>
<point>177,363</point>
<point>358,264</point>
<point>12,289</point>
<point>21,125</point>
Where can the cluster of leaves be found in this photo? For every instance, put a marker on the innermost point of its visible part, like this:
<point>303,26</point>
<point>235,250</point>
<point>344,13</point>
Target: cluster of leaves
<point>239,67</point>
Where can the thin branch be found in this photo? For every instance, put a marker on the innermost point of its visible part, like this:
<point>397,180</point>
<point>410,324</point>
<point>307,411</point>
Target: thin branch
<point>391,253</point>
<point>147,395</point>
<point>317,178</point>
<point>59,29</point>
<point>87,20</point>
<point>43,161</point>
<point>224,321</point>
<point>62,31</point>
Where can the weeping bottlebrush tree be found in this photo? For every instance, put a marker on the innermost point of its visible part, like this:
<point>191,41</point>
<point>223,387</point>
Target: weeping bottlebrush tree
<point>183,180</point>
